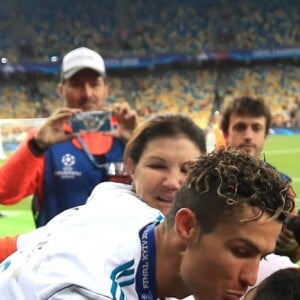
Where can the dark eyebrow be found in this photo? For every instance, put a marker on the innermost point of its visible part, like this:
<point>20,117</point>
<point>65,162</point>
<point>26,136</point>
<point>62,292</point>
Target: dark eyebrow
<point>247,242</point>
<point>155,157</point>
<point>250,245</point>
<point>240,123</point>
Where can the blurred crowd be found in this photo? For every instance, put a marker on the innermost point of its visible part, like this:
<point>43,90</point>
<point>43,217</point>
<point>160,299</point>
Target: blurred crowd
<point>140,27</point>
<point>195,92</point>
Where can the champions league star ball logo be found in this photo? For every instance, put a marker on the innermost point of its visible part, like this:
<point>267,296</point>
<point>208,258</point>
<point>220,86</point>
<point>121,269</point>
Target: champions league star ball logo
<point>68,160</point>
<point>67,172</point>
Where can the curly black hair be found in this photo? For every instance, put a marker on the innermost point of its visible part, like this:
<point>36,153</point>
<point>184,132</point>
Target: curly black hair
<point>222,181</point>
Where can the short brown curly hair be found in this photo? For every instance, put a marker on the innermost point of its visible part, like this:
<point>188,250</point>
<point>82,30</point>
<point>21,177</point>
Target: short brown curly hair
<point>246,106</point>
<point>223,181</point>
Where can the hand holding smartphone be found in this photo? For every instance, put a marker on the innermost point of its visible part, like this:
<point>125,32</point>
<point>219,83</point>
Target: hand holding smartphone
<point>91,121</point>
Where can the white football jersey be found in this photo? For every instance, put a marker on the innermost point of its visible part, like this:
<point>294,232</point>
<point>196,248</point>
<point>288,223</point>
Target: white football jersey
<point>88,252</point>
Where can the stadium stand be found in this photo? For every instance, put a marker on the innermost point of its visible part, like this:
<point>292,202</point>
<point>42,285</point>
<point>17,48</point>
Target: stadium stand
<point>140,28</point>
<point>189,91</point>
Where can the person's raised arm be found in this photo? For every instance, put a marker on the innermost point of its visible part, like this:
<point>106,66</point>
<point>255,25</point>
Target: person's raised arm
<point>22,173</point>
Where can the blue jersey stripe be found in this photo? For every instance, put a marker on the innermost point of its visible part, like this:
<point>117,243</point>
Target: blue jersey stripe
<point>121,271</point>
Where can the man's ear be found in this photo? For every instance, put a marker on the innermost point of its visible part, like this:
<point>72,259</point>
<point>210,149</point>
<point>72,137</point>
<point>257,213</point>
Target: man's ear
<point>60,89</point>
<point>186,226</point>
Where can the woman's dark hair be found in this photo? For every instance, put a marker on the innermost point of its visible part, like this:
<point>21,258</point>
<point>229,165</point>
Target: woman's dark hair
<point>163,125</point>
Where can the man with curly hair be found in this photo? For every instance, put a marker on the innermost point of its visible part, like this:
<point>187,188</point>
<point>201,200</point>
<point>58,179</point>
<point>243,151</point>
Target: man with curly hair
<point>246,123</point>
<point>224,220</point>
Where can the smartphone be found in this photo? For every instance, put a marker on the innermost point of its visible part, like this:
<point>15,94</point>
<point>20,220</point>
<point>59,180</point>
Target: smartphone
<point>91,121</point>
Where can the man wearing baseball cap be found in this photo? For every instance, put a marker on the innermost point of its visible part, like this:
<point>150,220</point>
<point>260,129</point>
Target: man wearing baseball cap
<point>81,58</point>
<point>60,167</point>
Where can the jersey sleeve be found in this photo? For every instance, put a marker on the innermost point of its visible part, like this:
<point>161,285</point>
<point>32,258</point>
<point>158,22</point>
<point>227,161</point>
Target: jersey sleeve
<point>8,245</point>
<point>21,174</point>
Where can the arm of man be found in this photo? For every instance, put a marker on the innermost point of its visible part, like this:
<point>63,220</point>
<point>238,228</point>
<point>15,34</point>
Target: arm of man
<point>19,176</point>
<point>8,245</point>
<point>286,243</point>
<point>22,173</point>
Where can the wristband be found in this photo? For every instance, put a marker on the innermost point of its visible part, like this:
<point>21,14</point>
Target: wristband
<point>35,148</point>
